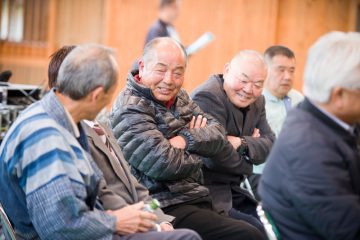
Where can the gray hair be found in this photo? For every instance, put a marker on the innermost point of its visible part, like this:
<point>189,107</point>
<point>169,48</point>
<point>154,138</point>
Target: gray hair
<point>149,49</point>
<point>333,61</point>
<point>86,68</point>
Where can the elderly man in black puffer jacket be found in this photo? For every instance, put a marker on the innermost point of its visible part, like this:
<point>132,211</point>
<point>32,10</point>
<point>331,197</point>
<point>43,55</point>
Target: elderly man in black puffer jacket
<point>164,135</point>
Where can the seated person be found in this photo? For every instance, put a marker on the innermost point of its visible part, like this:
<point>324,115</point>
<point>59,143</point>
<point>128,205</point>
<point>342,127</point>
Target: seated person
<point>48,181</point>
<point>118,189</point>
<point>279,95</point>
<point>164,135</point>
<point>234,99</point>
<point>311,182</point>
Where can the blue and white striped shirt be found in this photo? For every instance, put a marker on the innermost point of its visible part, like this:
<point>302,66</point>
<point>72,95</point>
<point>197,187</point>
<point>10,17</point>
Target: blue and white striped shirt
<point>47,178</point>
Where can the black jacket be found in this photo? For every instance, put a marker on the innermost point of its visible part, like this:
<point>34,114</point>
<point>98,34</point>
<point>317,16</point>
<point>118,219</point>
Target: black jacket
<point>311,183</point>
<point>143,126</point>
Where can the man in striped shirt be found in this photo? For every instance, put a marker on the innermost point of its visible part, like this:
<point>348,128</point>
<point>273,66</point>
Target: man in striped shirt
<point>48,181</point>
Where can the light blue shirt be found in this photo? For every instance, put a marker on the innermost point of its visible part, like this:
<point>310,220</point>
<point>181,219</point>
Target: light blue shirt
<point>276,110</point>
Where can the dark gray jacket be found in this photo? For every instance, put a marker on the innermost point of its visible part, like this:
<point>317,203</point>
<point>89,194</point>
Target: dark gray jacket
<point>143,126</point>
<point>226,168</point>
<point>311,182</point>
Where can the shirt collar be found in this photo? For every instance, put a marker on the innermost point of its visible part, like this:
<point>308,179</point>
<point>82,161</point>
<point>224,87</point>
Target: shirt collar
<point>270,97</point>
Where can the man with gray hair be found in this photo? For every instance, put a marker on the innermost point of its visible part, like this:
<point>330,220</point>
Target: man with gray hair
<point>311,183</point>
<point>48,181</point>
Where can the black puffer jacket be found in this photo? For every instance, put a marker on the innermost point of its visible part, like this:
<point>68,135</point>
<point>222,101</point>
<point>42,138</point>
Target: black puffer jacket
<point>143,126</point>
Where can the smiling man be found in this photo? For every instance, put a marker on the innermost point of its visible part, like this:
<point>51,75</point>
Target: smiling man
<point>234,99</point>
<point>164,136</point>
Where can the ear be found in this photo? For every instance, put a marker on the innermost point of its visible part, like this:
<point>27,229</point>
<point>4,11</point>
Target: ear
<point>97,93</point>
<point>141,67</point>
<point>337,96</point>
<point>226,69</point>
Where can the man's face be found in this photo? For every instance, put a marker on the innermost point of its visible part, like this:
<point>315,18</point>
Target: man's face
<point>281,75</point>
<point>164,73</point>
<point>244,82</point>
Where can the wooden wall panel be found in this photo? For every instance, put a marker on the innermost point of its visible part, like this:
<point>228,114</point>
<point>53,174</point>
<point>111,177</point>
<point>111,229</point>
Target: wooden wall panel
<point>79,21</point>
<point>236,24</point>
<point>301,23</point>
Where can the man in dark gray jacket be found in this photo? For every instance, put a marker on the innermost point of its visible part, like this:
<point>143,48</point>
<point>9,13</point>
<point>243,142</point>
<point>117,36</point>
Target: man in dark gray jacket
<point>164,135</point>
<point>234,99</point>
<point>311,183</point>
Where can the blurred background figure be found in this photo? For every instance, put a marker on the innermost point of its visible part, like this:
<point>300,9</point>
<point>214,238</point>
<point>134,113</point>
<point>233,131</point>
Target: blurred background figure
<point>280,96</point>
<point>311,182</point>
<point>279,93</point>
<point>163,26</point>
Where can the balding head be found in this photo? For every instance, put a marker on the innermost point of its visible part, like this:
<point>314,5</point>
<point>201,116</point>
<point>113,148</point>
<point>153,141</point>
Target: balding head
<point>157,44</point>
<point>244,78</point>
<point>162,68</point>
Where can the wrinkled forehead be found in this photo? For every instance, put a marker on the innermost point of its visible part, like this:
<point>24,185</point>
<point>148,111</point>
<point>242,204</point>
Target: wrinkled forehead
<point>168,55</point>
<point>252,69</point>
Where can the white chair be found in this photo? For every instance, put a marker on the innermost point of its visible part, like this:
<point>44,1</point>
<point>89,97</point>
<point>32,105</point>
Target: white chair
<point>6,227</point>
<point>271,231</point>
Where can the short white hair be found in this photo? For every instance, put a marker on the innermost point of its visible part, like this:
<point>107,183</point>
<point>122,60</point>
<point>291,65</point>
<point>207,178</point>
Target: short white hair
<point>333,61</point>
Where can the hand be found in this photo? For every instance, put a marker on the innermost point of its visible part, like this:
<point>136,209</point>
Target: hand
<point>256,133</point>
<point>235,141</point>
<point>198,122</point>
<point>165,226</point>
<point>132,219</point>
<point>178,142</point>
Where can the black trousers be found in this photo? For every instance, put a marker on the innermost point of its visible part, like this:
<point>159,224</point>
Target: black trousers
<point>198,216</point>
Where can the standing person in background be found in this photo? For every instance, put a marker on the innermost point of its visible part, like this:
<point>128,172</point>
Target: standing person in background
<point>234,99</point>
<point>311,182</point>
<point>280,96</point>
<point>163,27</point>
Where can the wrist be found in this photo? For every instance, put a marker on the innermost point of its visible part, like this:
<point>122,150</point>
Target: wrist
<point>243,149</point>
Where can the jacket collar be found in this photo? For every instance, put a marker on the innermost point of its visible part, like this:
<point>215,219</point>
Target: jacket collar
<point>306,105</point>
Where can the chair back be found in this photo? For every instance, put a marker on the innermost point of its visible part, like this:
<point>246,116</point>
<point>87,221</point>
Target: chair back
<point>6,227</point>
<point>271,231</point>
